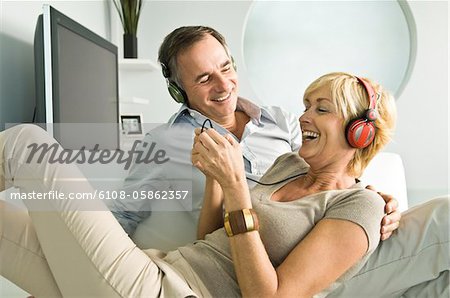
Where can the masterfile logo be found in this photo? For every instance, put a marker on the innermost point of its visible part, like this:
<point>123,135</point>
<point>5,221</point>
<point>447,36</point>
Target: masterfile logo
<point>54,153</point>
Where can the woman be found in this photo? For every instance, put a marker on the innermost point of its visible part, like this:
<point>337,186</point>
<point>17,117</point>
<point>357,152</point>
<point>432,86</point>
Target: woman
<point>320,223</point>
<point>62,251</point>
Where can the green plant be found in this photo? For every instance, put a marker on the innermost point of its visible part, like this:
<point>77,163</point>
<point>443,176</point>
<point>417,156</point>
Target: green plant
<point>129,12</point>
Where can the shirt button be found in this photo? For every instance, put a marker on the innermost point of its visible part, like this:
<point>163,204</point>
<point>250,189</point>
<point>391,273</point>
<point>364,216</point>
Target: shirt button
<point>192,114</point>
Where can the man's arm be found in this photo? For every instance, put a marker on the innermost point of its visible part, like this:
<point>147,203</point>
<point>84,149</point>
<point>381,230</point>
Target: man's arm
<point>391,220</point>
<point>295,131</point>
<point>129,220</point>
<point>129,211</point>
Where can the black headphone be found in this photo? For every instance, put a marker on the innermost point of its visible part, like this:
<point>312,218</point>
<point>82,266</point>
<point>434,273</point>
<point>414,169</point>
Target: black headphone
<point>177,93</point>
<point>360,132</point>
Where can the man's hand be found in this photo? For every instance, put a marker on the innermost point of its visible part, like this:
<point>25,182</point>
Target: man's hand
<point>391,220</point>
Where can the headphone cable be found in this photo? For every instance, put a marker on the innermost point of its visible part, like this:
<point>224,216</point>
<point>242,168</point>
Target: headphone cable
<point>261,183</point>
<point>204,124</point>
<point>277,182</point>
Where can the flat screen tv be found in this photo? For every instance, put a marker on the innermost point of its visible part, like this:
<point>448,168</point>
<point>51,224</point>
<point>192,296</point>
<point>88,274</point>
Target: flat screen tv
<point>76,83</point>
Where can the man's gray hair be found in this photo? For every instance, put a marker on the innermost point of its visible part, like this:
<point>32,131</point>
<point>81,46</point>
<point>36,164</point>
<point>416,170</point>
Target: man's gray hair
<point>179,40</point>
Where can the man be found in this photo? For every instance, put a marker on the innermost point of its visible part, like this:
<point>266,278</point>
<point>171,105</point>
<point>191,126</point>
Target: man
<point>201,75</point>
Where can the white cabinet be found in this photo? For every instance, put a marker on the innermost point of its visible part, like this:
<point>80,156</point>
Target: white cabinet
<point>132,76</point>
<point>137,65</point>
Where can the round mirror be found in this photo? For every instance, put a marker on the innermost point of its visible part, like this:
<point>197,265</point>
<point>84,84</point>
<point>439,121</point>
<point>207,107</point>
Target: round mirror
<point>288,44</point>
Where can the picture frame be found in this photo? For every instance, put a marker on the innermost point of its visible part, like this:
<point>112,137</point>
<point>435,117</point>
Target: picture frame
<point>131,125</point>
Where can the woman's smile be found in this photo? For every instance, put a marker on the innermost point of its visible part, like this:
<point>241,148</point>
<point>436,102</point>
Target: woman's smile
<point>308,136</point>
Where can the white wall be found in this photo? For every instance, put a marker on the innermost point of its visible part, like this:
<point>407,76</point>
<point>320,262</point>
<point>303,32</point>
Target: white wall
<point>422,134</point>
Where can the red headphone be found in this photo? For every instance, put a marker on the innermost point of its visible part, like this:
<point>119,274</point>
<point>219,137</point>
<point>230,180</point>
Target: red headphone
<point>360,132</point>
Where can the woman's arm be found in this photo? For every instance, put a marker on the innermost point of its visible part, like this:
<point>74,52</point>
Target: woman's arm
<point>330,249</point>
<point>211,214</point>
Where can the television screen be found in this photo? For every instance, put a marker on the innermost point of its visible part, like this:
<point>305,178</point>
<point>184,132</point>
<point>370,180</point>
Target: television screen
<point>76,83</point>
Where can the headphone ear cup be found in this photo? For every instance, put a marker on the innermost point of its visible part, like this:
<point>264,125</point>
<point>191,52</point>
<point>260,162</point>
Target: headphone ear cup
<point>177,93</point>
<point>360,133</point>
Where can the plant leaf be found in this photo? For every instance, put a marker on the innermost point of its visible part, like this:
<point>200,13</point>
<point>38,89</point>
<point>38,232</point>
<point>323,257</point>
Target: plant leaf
<point>129,12</point>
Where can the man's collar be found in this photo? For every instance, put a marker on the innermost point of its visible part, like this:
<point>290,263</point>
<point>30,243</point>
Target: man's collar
<point>254,111</point>
<point>182,111</point>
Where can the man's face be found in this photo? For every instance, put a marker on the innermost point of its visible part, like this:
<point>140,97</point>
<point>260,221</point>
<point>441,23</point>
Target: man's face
<point>209,79</point>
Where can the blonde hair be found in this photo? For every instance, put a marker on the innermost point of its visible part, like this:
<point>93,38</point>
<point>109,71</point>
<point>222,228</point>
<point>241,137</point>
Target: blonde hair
<point>351,100</point>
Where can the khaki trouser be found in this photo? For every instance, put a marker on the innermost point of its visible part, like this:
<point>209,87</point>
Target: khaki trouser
<point>59,251</point>
<point>414,262</point>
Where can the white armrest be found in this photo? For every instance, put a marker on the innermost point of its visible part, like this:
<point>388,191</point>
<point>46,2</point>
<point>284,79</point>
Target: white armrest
<point>386,173</point>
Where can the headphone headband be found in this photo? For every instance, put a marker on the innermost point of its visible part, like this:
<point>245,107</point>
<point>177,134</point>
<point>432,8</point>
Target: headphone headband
<point>165,70</point>
<point>370,92</point>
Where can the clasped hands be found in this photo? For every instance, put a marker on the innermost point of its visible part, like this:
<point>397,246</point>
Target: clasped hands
<point>218,157</point>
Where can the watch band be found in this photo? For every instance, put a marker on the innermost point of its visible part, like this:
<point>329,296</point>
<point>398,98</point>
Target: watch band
<point>240,221</point>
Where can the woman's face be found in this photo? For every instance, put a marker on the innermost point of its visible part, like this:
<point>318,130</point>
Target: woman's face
<point>323,134</point>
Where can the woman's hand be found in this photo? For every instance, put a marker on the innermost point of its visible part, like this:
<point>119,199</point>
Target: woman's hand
<point>219,157</point>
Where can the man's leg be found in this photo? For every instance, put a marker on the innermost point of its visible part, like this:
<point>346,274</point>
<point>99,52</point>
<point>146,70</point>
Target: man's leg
<point>439,287</point>
<point>88,252</point>
<point>417,253</point>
